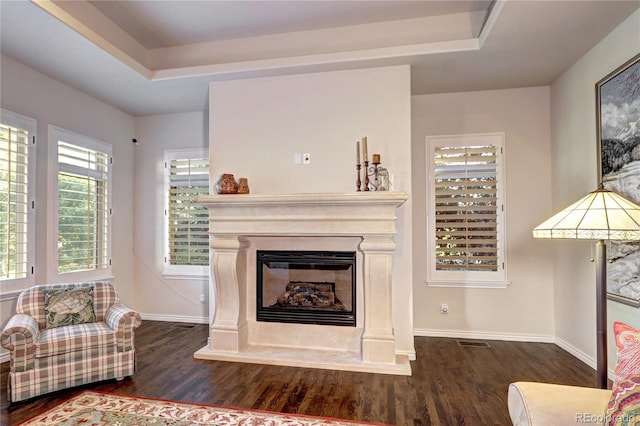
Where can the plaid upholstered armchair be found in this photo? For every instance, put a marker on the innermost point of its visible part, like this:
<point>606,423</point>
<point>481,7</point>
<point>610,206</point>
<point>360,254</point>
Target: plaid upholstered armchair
<point>65,335</point>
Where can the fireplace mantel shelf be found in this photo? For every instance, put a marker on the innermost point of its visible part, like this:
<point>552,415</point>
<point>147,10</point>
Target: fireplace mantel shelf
<point>322,219</point>
<point>354,198</point>
<point>322,214</point>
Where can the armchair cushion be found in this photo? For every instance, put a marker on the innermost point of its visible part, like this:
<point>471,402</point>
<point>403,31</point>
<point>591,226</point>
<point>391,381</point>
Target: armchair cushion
<point>547,404</point>
<point>64,307</point>
<point>73,338</point>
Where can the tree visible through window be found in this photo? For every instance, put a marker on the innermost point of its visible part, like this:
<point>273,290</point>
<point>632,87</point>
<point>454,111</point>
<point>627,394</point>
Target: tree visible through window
<point>16,189</point>
<point>188,222</point>
<point>83,208</point>
<point>466,208</point>
<point>466,205</point>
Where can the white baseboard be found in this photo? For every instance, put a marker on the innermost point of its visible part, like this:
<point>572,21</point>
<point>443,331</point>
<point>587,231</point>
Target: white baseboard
<point>576,352</point>
<point>582,356</point>
<point>410,354</point>
<point>459,334</point>
<point>10,295</point>
<point>174,318</point>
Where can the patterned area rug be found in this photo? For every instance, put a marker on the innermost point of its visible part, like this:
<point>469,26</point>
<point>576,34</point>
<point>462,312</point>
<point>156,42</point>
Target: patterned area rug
<point>94,408</point>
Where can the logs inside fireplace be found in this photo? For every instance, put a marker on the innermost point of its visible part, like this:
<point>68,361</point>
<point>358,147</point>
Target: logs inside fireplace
<point>306,287</point>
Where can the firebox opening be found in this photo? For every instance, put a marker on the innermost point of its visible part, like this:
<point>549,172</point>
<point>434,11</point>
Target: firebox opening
<point>306,287</point>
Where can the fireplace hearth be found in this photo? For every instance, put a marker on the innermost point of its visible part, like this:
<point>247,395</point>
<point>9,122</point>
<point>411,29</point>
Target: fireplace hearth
<point>306,287</point>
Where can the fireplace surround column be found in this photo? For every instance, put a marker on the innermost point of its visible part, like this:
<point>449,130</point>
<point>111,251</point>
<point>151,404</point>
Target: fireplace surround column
<point>228,330</point>
<point>378,341</point>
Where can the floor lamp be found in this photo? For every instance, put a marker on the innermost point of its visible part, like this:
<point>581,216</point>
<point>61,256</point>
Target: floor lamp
<point>600,215</point>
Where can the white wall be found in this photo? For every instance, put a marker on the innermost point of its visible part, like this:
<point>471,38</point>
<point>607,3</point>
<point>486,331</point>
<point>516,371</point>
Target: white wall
<point>258,125</point>
<point>574,165</point>
<point>28,92</point>
<point>160,297</point>
<point>523,310</point>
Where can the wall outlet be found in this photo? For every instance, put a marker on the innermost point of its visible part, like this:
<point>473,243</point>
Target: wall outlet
<point>202,298</point>
<point>444,308</point>
<point>297,159</point>
<point>306,158</point>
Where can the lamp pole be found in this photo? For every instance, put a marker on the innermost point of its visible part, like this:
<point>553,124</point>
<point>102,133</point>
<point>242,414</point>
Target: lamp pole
<point>601,314</point>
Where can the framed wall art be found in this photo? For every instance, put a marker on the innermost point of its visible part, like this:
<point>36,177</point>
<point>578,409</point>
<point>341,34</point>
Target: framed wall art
<point>618,126</point>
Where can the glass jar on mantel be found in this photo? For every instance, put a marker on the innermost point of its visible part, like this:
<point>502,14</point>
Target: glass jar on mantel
<point>227,184</point>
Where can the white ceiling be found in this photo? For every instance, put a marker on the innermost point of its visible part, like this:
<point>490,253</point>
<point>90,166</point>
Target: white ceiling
<point>150,57</point>
<point>157,24</point>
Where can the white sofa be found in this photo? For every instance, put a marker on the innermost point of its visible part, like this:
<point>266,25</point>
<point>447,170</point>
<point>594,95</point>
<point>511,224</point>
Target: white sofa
<point>542,404</point>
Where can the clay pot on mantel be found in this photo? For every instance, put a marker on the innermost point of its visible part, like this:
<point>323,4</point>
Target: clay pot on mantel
<point>243,186</point>
<point>227,184</point>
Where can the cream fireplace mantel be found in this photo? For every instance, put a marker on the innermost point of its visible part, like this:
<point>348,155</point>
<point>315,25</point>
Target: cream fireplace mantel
<point>364,222</point>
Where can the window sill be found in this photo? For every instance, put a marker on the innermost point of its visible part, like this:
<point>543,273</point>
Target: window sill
<point>82,276</point>
<point>174,276</point>
<point>10,295</point>
<point>469,284</point>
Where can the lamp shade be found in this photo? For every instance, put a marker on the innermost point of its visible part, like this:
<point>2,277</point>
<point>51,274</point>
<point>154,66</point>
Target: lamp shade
<point>600,215</point>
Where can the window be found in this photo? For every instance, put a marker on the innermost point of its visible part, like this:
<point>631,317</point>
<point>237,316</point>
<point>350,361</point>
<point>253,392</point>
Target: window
<point>466,232</point>
<point>17,200</point>
<point>187,243</point>
<point>83,204</point>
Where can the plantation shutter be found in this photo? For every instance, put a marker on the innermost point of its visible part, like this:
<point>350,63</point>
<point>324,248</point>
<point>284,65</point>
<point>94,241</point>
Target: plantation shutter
<point>188,221</point>
<point>82,208</point>
<point>14,201</point>
<point>466,208</point>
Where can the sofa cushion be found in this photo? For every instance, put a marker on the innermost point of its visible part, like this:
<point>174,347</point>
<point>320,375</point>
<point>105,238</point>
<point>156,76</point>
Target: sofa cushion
<point>81,337</point>
<point>65,307</point>
<point>624,405</point>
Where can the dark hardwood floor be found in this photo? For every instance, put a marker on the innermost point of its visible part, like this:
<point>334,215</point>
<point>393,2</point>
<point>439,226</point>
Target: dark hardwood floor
<point>451,384</point>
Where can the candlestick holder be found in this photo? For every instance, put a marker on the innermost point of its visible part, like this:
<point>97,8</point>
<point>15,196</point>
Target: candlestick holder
<point>379,178</point>
<point>358,181</point>
<point>366,175</point>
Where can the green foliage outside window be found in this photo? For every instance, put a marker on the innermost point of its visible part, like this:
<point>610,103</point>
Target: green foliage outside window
<point>14,146</point>
<point>82,208</point>
<point>80,217</point>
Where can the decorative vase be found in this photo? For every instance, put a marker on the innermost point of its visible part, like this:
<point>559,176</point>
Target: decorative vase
<point>227,184</point>
<point>243,186</point>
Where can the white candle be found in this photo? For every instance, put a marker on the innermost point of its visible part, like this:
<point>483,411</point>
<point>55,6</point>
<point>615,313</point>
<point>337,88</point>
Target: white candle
<point>358,151</point>
<point>364,141</point>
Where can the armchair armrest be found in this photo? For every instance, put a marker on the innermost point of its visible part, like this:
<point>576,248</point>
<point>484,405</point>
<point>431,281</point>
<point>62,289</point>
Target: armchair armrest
<point>123,320</point>
<point>533,404</point>
<point>20,336</point>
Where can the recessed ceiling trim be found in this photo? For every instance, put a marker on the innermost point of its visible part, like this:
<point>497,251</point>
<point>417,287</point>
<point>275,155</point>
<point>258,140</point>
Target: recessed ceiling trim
<point>394,52</point>
<point>492,18</point>
<point>50,7</point>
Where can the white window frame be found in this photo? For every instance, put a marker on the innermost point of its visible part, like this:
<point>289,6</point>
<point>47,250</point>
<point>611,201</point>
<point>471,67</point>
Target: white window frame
<point>57,134</point>
<point>466,278</point>
<point>12,119</point>
<point>179,271</point>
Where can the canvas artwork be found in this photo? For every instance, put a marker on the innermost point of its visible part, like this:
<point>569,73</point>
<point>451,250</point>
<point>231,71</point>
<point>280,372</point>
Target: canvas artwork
<point>618,105</point>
